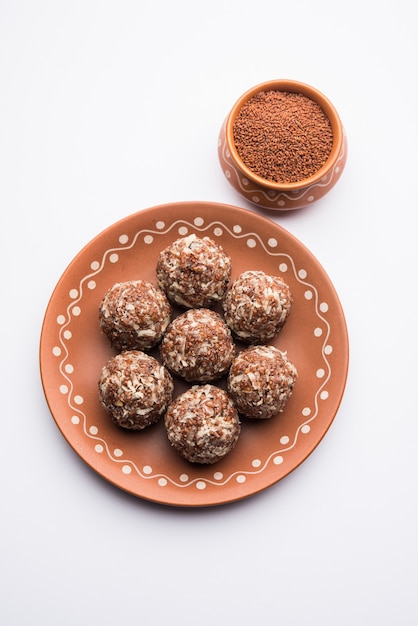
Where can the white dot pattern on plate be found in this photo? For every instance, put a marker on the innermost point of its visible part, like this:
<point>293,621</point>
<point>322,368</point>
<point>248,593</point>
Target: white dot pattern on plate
<point>75,399</point>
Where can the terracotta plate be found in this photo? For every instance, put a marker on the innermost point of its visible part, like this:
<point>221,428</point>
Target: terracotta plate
<point>73,351</point>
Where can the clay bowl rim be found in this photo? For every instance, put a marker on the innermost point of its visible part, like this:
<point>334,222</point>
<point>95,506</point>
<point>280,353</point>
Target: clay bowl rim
<point>292,86</point>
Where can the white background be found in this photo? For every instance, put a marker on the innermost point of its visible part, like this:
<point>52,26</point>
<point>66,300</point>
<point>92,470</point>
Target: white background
<point>107,108</point>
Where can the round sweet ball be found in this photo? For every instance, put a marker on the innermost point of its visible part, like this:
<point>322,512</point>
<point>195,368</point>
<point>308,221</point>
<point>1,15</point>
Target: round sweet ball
<point>198,346</point>
<point>135,389</point>
<point>202,424</point>
<point>134,315</point>
<point>261,381</point>
<point>194,272</point>
<point>256,306</point>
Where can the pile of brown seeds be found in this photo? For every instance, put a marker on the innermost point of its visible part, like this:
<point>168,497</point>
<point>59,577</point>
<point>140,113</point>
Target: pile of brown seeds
<point>281,136</point>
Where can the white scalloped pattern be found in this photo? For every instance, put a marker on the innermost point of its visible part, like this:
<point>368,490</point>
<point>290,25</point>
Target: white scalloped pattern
<point>282,200</point>
<point>75,399</point>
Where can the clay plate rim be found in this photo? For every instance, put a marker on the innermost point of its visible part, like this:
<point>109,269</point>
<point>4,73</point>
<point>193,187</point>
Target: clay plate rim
<point>73,350</point>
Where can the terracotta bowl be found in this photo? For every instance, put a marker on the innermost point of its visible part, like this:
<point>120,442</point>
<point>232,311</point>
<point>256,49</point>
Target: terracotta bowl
<point>282,196</point>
